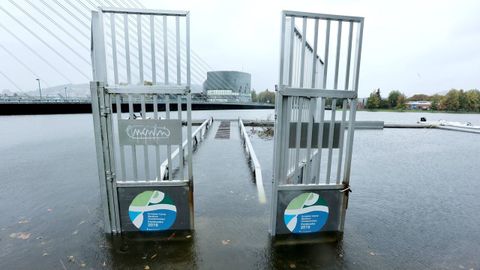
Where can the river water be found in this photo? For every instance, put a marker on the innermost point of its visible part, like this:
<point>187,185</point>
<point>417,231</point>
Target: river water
<point>414,203</point>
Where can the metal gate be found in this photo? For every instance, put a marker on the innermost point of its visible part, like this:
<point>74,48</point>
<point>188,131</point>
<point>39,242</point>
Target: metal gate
<point>315,116</point>
<point>141,71</point>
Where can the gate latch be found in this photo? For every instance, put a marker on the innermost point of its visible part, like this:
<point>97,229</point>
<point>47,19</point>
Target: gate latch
<point>104,110</point>
<point>347,189</point>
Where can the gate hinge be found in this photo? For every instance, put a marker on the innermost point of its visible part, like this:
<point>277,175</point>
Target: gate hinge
<point>104,111</point>
<point>110,176</point>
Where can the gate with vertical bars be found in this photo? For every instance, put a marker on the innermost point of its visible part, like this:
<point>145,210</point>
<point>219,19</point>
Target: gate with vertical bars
<point>141,71</point>
<point>314,128</point>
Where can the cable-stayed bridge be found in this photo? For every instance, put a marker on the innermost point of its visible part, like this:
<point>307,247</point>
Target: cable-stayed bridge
<point>48,42</point>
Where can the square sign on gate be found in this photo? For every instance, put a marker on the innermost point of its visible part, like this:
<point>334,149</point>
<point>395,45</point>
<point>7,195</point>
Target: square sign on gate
<point>149,131</point>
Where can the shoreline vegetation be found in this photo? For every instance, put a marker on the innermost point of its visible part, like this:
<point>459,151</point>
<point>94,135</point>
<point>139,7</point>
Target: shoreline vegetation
<point>455,101</point>
<point>416,111</point>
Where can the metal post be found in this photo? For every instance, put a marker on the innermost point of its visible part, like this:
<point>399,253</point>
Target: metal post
<point>39,88</point>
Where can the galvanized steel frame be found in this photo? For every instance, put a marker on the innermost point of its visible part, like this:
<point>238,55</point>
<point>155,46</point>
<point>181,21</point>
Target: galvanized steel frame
<point>105,96</point>
<point>301,97</point>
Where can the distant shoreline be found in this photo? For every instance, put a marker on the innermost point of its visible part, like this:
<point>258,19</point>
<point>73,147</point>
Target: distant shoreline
<point>415,111</point>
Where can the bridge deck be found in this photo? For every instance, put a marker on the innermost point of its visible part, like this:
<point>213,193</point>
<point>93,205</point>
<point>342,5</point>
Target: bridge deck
<point>227,209</point>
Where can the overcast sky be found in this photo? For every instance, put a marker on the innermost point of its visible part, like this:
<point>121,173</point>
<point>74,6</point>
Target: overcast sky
<point>414,46</point>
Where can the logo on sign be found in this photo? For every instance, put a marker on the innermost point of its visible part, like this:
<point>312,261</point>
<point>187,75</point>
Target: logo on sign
<point>306,213</point>
<point>139,132</point>
<point>152,210</point>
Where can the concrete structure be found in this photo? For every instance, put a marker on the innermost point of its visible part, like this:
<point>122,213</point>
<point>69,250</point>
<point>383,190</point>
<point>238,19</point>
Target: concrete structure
<point>419,105</point>
<point>228,86</point>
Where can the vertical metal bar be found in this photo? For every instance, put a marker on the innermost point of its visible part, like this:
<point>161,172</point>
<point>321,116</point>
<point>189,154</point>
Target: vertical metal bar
<point>99,60</point>
<point>189,136</point>
<point>330,141</point>
<point>302,58</point>
<point>311,114</point>
<point>277,160</point>
<point>298,135</point>
<point>349,56</point>
<point>340,140</point>
<point>114,47</point>
<point>177,40</point>
<point>152,49</point>
<point>165,49</point>
<point>286,154</point>
<point>111,160</point>
<point>127,49</point>
<point>158,162</point>
<point>180,145</point>
<point>145,147</point>
<point>337,61</point>
<point>327,46</point>
<point>100,143</point>
<point>122,147</point>
<point>140,49</point>
<point>134,147</point>
<point>189,104</point>
<point>292,34</point>
<point>358,56</point>
<point>169,147</point>
<point>348,153</point>
<point>321,123</point>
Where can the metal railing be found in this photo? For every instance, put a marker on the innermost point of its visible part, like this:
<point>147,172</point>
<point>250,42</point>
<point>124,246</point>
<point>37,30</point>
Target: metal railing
<point>198,136</point>
<point>253,161</point>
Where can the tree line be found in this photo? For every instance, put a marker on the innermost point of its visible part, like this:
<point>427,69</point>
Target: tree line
<point>263,97</point>
<point>454,100</point>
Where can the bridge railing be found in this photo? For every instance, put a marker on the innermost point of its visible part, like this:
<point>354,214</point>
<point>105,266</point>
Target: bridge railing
<point>197,137</point>
<point>254,164</point>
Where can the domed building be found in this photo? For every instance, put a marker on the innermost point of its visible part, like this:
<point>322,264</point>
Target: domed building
<point>228,86</point>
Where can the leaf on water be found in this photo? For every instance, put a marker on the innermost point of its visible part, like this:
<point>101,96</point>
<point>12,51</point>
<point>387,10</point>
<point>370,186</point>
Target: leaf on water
<point>23,221</point>
<point>188,236</point>
<point>372,253</point>
<point>49,209</point>
<point>75,232</point>
<point>82,265</point>
<point>225,242</point>
<point>71,259</point>
<point>45,254</point>
<point>20,235</point>
<point>146,267</point>
<point>153,256</point>
<point>81,222</point>
<point>293,266</point>
<point>104,264</point>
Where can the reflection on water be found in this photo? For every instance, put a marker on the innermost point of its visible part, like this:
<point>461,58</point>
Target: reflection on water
<point>414,203</point>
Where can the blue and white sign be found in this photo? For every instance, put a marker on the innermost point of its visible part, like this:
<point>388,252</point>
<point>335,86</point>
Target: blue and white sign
<point>306,213</point>
<point>152,210</point>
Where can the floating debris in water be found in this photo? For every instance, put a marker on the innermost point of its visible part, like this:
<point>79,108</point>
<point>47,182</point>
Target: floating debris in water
<point>225,242</point>
<point>20,235</point>
<point>23,221</point>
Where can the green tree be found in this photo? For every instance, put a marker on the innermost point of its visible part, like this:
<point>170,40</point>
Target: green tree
<point>419,97</point>
<point>266,97</point>
<point>254,96</point>
<point>393,98</point>
<point>401,103</point>
<point>437,102</point>
<point>473,100</point>
<point>374,100</point>
<point>451,101</point>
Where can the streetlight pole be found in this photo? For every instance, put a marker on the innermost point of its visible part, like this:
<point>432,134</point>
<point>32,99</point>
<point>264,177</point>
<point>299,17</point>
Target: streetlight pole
<point>39,88</point>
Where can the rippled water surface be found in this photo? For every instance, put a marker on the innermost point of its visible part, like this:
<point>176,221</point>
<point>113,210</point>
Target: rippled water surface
<point>414,203</point>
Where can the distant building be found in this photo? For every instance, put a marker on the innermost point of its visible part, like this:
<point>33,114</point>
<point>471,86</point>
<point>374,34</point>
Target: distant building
<point>228,86</point>
<point>419,105</point>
